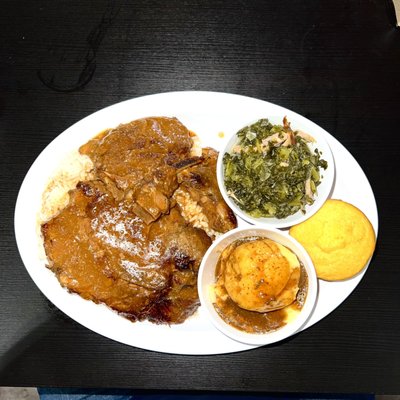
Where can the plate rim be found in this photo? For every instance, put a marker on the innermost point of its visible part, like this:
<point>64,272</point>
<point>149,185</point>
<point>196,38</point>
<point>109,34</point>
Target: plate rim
<point>148,97</point>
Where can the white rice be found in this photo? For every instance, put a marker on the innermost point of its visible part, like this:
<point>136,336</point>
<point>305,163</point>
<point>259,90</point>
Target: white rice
<point>192,213</point>
<point>74,168</point>
<point>77,167</point>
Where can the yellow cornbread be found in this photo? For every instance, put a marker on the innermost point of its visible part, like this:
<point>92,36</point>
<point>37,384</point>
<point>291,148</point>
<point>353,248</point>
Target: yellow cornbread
<point>339,239</point>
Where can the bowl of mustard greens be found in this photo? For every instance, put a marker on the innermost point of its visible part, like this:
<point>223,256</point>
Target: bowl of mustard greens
<point>276,173</point>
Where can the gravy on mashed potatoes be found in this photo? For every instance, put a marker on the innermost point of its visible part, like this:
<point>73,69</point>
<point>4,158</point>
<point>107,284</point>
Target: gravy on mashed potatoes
<point>260,285</point>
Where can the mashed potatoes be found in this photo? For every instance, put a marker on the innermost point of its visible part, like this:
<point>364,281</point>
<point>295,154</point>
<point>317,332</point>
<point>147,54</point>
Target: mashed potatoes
<point>261,275</point>
<point>260,285</point>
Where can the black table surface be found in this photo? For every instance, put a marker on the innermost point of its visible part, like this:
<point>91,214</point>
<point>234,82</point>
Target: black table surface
<point>335,62</point>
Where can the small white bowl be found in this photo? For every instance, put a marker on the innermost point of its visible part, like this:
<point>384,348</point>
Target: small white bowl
<point>323,190</point>
<point>206,279</point>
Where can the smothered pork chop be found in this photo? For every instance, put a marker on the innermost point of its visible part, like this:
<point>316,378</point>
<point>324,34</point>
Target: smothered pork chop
<point>132,235</point>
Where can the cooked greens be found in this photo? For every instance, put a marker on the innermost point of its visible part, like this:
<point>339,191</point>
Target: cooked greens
<point>271,171</point>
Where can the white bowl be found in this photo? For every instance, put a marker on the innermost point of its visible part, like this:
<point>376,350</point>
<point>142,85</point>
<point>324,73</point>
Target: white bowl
<point>323,189</point>
<point>206,280</point>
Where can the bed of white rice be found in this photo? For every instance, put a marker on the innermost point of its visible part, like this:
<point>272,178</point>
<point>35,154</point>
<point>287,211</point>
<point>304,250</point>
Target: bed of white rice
<point>77,167</point>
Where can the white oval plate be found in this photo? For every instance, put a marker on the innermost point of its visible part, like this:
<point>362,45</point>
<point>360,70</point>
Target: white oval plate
<point>209,115</point>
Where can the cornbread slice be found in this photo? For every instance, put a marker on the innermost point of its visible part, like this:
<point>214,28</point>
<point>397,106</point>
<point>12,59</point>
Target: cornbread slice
<point>339,239</point>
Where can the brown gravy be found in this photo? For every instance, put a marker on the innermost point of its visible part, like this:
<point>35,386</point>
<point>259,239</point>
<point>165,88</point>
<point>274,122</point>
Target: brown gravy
<point>252,321</point>
<point>122,238</point>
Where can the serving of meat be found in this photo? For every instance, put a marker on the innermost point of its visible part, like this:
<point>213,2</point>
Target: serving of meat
<point>123,239</point>
<point>199,182</point>
<point>137,161</point>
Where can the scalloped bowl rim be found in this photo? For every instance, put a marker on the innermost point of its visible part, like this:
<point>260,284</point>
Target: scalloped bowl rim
<point>206,278</point>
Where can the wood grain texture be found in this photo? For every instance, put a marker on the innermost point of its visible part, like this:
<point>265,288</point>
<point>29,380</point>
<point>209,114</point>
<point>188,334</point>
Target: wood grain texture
<point>337,63</point>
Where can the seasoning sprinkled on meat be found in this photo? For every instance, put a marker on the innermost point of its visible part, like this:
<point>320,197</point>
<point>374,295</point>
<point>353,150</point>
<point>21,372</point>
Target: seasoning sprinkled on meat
<point>124,239</point>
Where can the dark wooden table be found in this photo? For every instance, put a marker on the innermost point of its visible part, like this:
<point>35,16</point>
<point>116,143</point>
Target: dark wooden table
<point>336,63</point>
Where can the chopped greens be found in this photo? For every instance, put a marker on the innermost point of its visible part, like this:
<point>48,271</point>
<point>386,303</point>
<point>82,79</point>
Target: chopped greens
<point>271,171</point>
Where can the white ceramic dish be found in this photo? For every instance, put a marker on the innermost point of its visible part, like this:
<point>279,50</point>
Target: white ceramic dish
<point>206,280</point>
<point>211,115</point>
<point>323,190</point>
